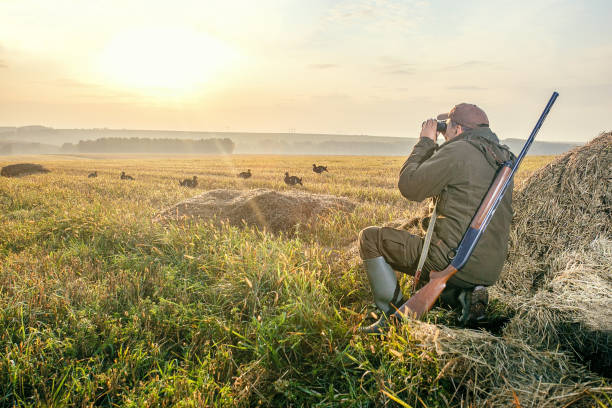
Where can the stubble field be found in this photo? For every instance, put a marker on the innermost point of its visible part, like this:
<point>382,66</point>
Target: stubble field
<point>103,306</point>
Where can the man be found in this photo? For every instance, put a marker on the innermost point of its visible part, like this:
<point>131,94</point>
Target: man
<point>458,174</point>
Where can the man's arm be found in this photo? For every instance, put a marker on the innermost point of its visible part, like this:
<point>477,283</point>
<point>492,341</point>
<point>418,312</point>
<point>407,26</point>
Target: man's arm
<point>425,174</point>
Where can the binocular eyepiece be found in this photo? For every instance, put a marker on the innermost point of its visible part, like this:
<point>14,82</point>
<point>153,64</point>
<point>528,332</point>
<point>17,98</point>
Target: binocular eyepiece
<point>440,126</point>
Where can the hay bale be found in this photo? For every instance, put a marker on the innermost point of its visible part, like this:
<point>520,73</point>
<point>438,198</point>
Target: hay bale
<point>22,169</point>
<point>265,209</point>
<point>495,372</point>
<point>557,278</point>
<point>573,309</point>
<point>563,206</point>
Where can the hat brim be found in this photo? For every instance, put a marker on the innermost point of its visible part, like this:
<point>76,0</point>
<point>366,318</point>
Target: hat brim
<point>443,116</point>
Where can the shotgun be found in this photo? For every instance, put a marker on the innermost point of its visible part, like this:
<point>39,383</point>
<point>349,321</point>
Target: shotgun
<point>423,300</point>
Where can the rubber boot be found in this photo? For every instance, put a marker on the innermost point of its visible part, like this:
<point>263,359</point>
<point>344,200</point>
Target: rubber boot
<point>450,297</point>
<point>474,304</point>
<point>386,290</point>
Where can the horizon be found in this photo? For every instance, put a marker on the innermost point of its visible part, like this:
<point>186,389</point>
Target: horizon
<point>368,67</point>
<point>262,133</point>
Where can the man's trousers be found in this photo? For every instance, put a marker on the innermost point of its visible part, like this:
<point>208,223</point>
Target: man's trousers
<point>401,250</point>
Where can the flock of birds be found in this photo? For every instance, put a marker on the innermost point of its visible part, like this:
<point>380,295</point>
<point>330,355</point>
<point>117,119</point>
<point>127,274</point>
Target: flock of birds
<point>193,182</point>
<point>289,180</point>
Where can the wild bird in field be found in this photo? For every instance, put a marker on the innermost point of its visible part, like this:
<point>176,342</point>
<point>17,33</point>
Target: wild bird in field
<point>92,175</point>
<point>125,176</point>
<point>292,180</point>
<point>319,169</point>
<point>190,182</point>
<point>245,174</point>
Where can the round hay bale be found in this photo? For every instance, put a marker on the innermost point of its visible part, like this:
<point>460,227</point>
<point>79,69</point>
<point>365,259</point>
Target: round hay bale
<point>573,309</point>
<point>497,371</point>
<point>22,169</point>
<point>563,206</point>
<point>557,278</point>
<point>263,208</point>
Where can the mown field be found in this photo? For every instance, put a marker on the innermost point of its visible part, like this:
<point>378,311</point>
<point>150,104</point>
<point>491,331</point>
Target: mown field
<point>102,306</point>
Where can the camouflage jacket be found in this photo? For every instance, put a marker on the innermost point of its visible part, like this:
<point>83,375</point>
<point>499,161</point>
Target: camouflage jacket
<point>459,173</point>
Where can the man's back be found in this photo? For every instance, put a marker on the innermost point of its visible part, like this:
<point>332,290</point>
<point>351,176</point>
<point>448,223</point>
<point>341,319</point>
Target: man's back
<point>460,173</point>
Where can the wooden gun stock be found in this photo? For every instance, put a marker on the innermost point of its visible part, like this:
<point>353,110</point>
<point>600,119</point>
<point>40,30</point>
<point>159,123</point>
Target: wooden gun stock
<point>423,300</point>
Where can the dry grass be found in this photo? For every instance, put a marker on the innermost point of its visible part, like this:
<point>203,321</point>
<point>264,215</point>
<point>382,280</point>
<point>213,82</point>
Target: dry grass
<point>102,306</point>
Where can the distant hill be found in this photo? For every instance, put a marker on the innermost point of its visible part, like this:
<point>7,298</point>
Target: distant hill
<point>21,148</point>
<point>47,139</point>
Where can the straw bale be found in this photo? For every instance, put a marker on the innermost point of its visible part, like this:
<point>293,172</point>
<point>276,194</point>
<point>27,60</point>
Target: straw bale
<point>574,308</point>
<point>22,169</point>
<point>563,206</point>
<point>490,370</point>
<point>557,278</point>
<point>263,208</point>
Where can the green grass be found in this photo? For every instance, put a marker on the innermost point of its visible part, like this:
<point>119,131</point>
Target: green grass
<point>102,306</point>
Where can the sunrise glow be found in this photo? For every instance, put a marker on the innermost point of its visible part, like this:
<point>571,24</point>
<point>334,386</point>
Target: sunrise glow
<point>171,59</point>
<point>343,67</point>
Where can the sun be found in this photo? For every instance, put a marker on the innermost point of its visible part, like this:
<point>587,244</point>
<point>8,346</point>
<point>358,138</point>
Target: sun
<point>164,59</point>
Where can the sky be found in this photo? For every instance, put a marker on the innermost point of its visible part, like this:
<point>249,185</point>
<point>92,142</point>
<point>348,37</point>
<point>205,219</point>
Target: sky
<point>367,67</point>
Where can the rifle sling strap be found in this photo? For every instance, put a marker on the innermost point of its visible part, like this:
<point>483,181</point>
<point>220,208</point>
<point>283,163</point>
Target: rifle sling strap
<point>425,250</point>
<point>495,154</point>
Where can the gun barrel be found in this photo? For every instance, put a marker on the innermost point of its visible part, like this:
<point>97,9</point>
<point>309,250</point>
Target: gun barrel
<point>535,130</point>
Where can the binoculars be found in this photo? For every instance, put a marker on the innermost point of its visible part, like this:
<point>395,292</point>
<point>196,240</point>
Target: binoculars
<point>440,127</point>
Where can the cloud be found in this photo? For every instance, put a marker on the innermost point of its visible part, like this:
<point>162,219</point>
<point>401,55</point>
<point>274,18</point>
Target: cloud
<point>323,66</point>
<point>401,71</point>
<point>396,66</point>
<point>332,97</point>
<point>380,15</point>
<point>2,62</point>
<point>85,90</point>
<point>466,65</point>
<point>71,83</point>
<point>109,95</point>
<point>466,88</point>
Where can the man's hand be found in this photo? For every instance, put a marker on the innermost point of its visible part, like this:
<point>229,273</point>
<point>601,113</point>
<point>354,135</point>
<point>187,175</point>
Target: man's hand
<point>429,129</point>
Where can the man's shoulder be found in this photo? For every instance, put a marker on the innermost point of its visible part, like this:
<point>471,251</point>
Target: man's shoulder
<point>458,147</point>
<point>463,154</point>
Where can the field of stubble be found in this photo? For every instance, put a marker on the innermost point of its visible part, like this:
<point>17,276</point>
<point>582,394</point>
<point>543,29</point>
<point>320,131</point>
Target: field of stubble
<point>102,306</point>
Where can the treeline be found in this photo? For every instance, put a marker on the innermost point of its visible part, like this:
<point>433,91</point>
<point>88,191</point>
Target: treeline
<point>147,145</point>
<point>10,148</point>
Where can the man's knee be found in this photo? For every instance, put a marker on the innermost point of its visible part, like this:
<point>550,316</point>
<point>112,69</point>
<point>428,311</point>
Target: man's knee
<point>368,243</point>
